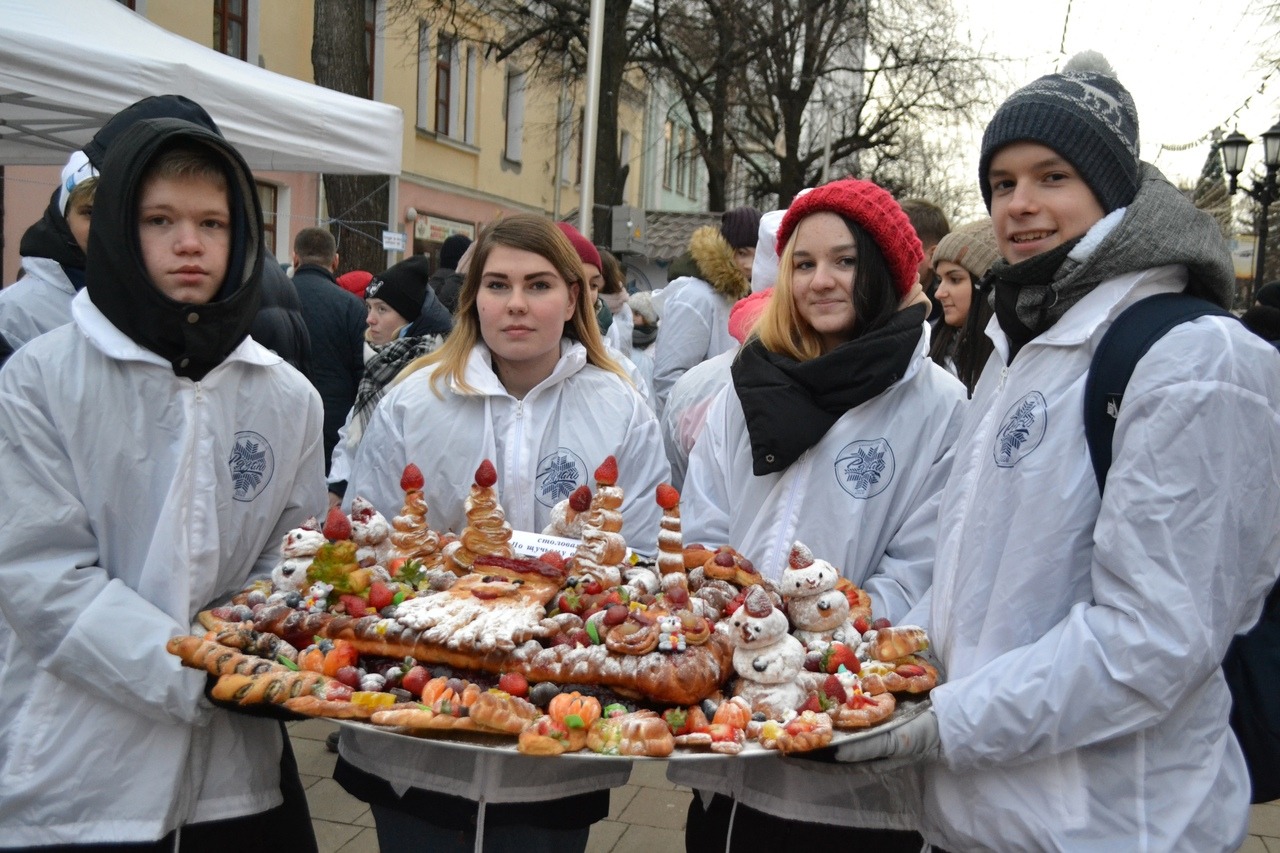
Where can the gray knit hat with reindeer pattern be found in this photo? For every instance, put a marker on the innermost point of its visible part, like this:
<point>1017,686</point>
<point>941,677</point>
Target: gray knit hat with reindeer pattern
<point>1083,114</point>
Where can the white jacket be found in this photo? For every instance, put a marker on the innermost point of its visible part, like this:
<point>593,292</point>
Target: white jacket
<point>1084,707</point>
<point>543,447</point>
<point>133,499</point>
<point>880,536</point>
<point>35,303</point>
<point>694,327</point>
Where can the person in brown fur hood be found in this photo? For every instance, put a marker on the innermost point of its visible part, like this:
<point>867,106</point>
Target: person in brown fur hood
<point>695,312</point>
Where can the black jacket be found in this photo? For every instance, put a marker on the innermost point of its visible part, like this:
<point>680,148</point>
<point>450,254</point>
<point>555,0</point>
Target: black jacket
<point>335,322</point>
<point>279,325</point>
<point>446,283</point>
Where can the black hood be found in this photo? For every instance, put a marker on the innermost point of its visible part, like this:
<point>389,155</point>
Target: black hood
<point>153,107</point>
<point>51,237</point>
<point>193,338</point>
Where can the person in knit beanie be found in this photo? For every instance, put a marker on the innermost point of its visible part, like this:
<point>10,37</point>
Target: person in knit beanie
<point>738,227</point>
<point>1050,582</point>
<point>960,260</point>
<point>836,432</point>
<point>395,299</point>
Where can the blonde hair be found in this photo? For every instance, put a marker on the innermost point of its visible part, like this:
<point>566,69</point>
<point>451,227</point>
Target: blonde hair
<point>529,233</point>
<point>83,191</point>
<point>782,330</point>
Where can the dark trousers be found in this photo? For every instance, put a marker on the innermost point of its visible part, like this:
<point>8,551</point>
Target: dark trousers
<point>284,828</point>
<point>706,829</point>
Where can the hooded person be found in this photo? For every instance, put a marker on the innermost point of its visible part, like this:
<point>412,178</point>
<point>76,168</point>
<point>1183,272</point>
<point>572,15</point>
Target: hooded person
<point>158,455</point>
<point>695,308</point>
<point>53,259</point>
<point>278,325</point>
<point>1048,589</point>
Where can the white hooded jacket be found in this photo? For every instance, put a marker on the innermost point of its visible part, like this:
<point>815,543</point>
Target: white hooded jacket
<point>35,303</point>
<point>543,447</point>
<point>134,498</point>
<point>878,531</point>
<point>1084,707</point>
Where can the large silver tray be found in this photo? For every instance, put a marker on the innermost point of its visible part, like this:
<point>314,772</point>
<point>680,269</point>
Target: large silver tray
<point>908,709</point>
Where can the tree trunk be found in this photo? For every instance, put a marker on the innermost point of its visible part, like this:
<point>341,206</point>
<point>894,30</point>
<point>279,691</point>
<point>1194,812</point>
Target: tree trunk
<point>357,203</point>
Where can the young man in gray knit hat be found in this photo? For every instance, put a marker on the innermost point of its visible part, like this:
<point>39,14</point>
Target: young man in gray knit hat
<point>1081,632</point>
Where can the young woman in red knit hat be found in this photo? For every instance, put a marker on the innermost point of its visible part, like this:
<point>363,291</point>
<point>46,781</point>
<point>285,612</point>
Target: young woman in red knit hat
<point>836,432</point>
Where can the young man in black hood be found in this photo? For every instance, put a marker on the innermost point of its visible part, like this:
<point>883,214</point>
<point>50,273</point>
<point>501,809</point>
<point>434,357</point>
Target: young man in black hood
<point>156,457</point>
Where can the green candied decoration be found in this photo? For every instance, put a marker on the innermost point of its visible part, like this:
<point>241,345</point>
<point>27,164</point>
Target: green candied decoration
<point>333,564</point>
<point>412,573</point>
<point>281,659</point>
<point>593,632</point>
<point>614,708</point>
<point>574,721</point>
<point>398,598</point>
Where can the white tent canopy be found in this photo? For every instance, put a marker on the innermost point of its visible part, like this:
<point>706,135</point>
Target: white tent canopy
<point>66,66</point>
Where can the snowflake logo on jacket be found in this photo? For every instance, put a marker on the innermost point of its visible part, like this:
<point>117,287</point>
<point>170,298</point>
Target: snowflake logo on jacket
<point>559,473</point>
<point>252,463</point>
<point>864,469</point>
<point>1022,430</point>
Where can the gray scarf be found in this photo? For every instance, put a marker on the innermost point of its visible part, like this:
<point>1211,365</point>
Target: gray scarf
<point>1159,227</point>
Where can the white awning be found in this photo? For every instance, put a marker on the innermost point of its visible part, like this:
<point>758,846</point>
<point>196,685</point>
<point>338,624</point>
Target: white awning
<point>66,66</point>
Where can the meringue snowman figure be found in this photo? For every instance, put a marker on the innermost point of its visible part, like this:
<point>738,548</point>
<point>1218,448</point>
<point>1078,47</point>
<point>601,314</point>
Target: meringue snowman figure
<point>298,550</point>
<point>817,609</point>
<point>767,659</point>
<point>371,532</point>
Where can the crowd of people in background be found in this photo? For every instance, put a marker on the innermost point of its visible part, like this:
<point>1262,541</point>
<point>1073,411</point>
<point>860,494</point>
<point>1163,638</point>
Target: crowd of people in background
<point>850,371</point>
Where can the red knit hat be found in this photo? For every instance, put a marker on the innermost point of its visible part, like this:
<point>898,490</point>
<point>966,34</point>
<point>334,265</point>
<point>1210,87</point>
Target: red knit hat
<point>587,253</point>
<point>876,212</point>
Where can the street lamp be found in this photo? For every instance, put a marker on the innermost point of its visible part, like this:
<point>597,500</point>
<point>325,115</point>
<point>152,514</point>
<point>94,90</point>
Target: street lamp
<point>1234,148</point>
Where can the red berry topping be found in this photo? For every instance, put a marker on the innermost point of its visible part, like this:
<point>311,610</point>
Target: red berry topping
<point>486,474</point>
<point>580,500</point>
<point>668,497</point>
<point>336,525</point>
<point>607,473</point>
<point>881,623</point>
<point>553,558</point>
<point>411,479</point>
<point>834,690</point>
<point>514,683</point>
<point>861,625</point>
<point>800,557</point>
<point>724,557</point>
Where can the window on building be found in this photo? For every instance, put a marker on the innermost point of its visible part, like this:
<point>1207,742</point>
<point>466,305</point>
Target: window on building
<point>370,37</point>
<point>424,78</point>
<point>469,120</point>
<point>514,115</point>
<point>582,139</point>
<point>680,155</point>
<point>230,27</point>
<point>565,142</point>
<point>668,155</point>
<point>269,198</point>
<point>624,152</point>
<point>445,52</point>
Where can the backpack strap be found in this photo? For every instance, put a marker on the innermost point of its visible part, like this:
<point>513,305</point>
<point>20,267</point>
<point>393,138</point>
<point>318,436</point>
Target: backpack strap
<point>1130,336</point>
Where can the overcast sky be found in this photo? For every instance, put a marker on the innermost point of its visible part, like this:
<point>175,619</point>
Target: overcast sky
<point>1191,65</point>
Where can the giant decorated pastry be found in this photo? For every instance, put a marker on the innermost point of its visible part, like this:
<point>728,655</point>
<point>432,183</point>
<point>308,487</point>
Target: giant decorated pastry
<point>383,623</point>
